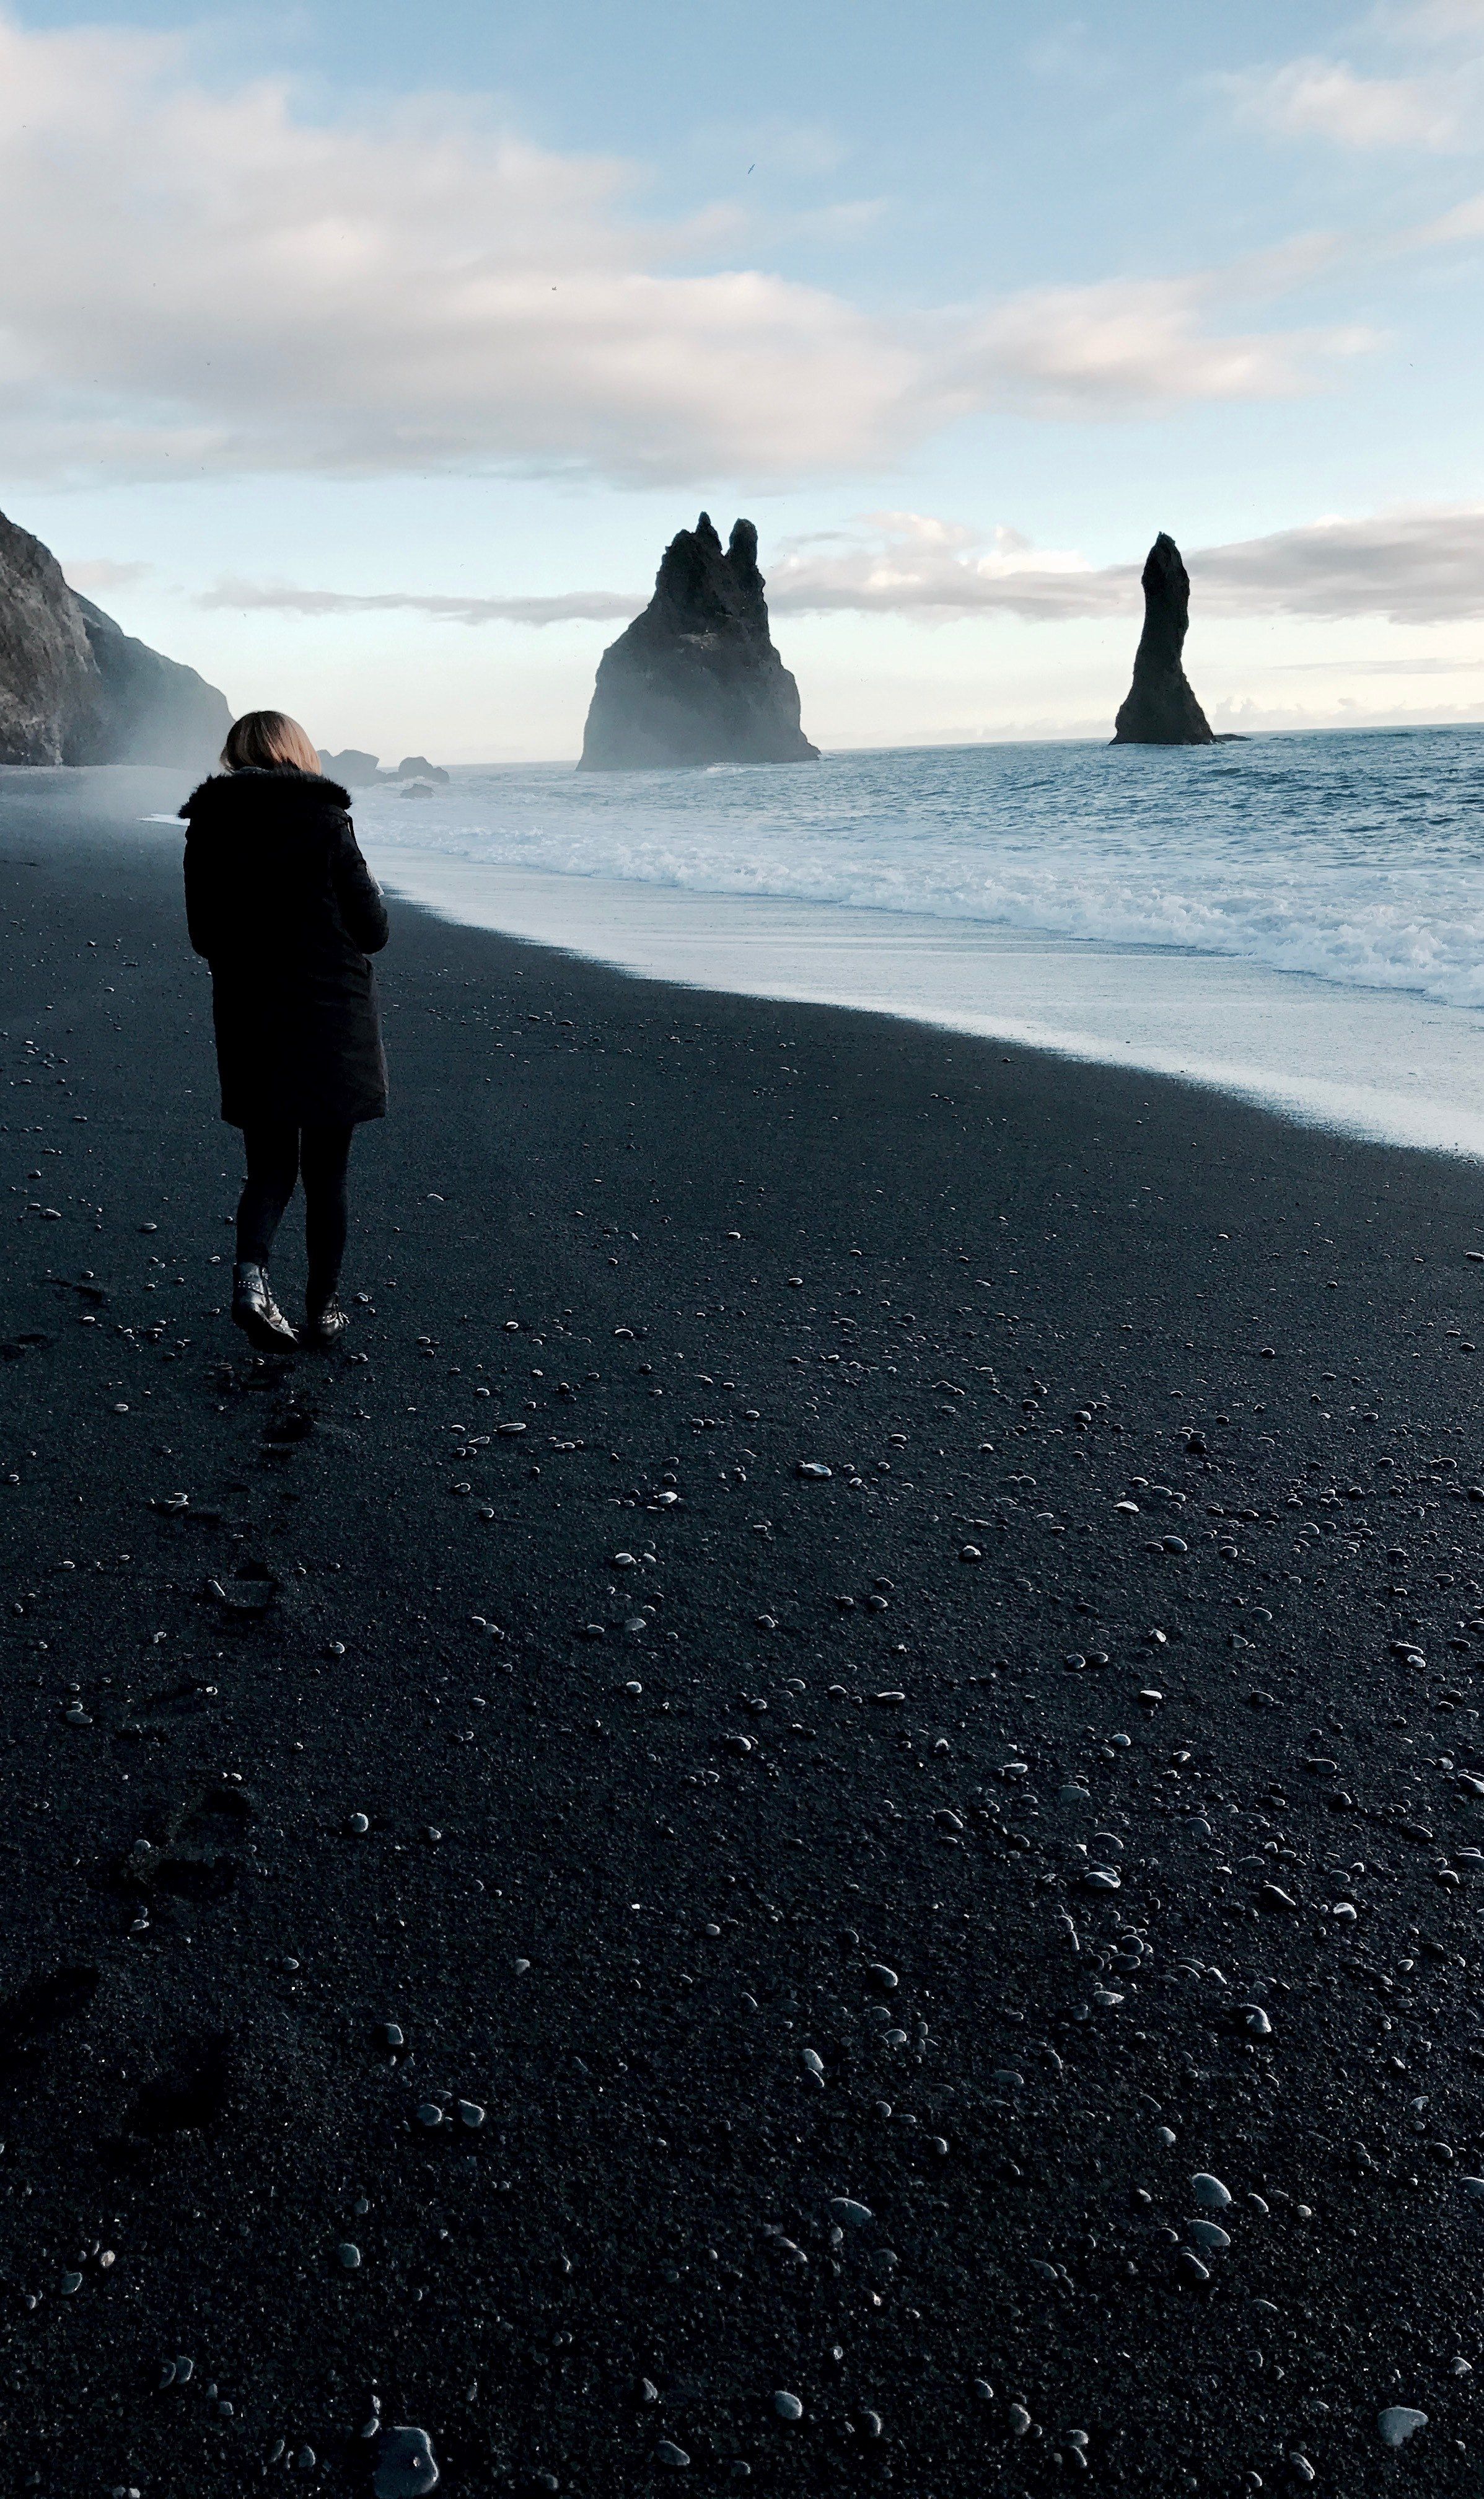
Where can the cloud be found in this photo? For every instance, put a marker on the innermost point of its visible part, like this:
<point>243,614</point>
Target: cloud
<point>1131,345</point>
<point>1318,99</point>
<point>1421,568</point>
<point>212,284</point>
<point>100,573</point>
<point>593,606</point>
<point>1435,105</point>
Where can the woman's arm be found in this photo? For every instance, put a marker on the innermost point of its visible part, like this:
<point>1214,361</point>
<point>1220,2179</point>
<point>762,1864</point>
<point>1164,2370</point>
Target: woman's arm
<point>201,914</point>
<point>356,892</point>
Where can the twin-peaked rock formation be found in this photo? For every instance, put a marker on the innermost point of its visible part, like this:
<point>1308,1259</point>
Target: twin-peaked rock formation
<point>695,679</point>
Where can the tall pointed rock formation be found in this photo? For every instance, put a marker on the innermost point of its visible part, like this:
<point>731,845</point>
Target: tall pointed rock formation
<point>695,679</point>
<point>1160,708</point>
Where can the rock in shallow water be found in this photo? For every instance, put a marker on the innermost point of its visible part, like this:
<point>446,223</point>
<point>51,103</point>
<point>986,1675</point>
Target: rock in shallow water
<point>695,679</point>
<point>1160,707</point>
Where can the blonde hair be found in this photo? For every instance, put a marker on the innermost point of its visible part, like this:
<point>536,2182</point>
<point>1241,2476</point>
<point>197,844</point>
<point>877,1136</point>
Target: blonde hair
<point>268,739</point>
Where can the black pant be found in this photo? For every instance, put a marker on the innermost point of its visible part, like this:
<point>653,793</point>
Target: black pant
<point>276,1156</point>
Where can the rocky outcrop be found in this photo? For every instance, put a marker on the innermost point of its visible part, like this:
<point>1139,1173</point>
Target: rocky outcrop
<point>695,679</point>
<point>75,689</point>
<point>362,771</point>
<point>48,678</point>
<point>352,766</point>
<point>149,709</point>
<point>1160,708</point>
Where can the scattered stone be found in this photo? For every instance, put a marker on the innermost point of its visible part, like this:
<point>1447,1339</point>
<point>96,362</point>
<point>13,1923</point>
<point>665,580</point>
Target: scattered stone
<point>1397,2423</point>
<point>360,1822</point>
<point>1208,2191</point>
<point>429,2114</point>
<point>471,2114</point>
<point>788,2407</point>
<point>405,2465</point>
<point>349,2255</point>
<point>667,2453</point>
<point>844,2208</point>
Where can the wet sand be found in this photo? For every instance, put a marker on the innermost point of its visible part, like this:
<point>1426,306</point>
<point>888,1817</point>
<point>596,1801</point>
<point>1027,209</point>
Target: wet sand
<point>860,1902</point>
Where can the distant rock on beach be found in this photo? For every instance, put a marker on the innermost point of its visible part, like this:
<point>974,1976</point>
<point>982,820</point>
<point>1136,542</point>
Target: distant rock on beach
<point>695,679</point>
<point>75,689</point>
<point>1160,708</point>
<point>352,766</point>
<point>361,771</point>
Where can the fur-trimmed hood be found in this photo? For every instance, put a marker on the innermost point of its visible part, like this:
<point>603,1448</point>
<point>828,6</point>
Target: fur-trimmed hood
<point>282,786</point>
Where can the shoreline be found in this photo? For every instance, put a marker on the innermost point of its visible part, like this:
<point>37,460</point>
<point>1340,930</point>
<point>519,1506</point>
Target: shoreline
<point>1142,1007</point>
<point>691,1244</point>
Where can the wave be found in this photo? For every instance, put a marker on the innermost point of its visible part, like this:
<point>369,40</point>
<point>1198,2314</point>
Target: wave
<point>1352,858</point>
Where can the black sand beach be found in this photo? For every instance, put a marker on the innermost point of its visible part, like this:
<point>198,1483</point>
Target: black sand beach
<point>853,1965</point>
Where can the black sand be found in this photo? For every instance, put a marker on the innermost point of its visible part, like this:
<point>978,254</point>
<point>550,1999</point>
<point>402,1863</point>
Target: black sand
<point>617,1882</point>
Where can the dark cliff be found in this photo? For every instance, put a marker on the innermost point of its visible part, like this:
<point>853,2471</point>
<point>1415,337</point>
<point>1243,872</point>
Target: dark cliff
<point>695,679</point>
<point>48,677</point>
<point>149,709</point>
<point>75,689</point>
<point>1160,708</point>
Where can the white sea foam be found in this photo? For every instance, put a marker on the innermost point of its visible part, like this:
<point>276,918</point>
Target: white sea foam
<point>1356,859</point>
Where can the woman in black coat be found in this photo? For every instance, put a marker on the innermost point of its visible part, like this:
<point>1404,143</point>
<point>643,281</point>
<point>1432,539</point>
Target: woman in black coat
<point>285,910</point>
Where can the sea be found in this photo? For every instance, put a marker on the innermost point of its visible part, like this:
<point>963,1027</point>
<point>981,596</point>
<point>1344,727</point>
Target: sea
<point>1297,920</point>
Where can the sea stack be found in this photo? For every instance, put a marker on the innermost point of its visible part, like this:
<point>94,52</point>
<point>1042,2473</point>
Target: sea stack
<point>695,679</point>
<point>75,689</point>
<point>1160,708</point>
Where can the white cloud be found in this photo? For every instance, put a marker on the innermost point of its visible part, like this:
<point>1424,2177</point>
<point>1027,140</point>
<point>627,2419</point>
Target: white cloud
<point>212,283</point>
<point>1318,99</point>
<point>100,573</point>
<point>283,598</point>
<point>1421,568</point>
<point>1434,105</point>
<point>1131,345</point>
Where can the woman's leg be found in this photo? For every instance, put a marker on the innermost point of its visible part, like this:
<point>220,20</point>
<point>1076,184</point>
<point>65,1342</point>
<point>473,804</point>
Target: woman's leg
<point>324,1157</point>
<point>272,1167</point>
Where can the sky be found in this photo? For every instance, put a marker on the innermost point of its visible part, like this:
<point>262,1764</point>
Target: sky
<point>368,357</point>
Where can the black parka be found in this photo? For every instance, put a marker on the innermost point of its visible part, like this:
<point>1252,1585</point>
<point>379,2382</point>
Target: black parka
<point>285,910</point>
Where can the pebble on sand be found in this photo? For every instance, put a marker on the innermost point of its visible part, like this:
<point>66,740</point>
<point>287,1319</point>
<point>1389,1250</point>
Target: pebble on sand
<point>1209,2192</point>
<point>405,2465</point>
<point>1397,2423</point>
<point>844,2208</point>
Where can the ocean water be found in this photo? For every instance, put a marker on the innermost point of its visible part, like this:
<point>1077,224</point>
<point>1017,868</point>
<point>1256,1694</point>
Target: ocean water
<point>1354,857</point>
<point>1300,919</point>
